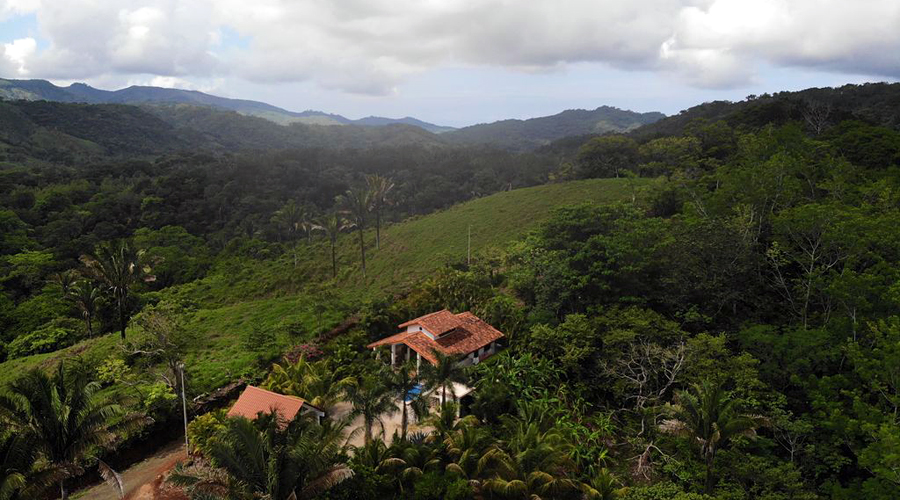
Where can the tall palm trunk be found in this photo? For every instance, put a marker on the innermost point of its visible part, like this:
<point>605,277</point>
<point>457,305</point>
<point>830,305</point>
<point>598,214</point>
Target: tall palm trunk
<point>362,249</point>
<point>123,320</point>
<point>378,229</point>
<point>368,434</point>
<point>63,491</point>
<point>90,327</point>
<point>403,420</point>
<point>333,260</point>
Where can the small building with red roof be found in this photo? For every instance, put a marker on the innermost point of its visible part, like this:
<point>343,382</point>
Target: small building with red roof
<point>464,336</point>
<point>254,401</point>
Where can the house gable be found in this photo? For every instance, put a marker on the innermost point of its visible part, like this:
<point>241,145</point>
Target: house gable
<point>255,400</point>
<point>461,335</point>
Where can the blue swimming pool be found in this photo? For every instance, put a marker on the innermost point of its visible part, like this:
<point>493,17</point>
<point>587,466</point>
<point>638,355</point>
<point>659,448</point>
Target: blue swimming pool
<point>413,393</point>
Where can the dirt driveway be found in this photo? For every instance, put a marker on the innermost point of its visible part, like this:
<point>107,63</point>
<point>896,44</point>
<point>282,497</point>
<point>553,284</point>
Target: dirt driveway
<point>143,481</point>
<point>392,423</point>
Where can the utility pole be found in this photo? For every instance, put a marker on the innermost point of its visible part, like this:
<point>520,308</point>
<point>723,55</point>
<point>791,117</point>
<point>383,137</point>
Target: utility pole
<point>187,448</point>
<point>469,248</point>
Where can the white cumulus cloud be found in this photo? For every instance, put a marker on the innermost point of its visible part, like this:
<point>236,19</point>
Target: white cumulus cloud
<point>16,54</point>
<point>371,46</point>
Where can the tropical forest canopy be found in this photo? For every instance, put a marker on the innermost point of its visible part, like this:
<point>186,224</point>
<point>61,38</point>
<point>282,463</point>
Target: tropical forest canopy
<point>717,319</point>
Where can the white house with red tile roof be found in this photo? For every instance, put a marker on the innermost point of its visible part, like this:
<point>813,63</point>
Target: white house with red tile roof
<point>255,400</point>
<point>462,335</point>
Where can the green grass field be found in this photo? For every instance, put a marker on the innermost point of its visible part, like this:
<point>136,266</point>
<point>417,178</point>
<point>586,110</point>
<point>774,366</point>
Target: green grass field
<point>272,294</point>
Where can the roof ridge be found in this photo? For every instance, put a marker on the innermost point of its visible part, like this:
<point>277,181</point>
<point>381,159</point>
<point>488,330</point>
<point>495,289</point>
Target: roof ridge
<point>256,387</point>
<point>431,314</point>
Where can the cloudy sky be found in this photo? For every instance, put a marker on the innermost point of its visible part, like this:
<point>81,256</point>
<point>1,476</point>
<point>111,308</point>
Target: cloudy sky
<point>455,62</point>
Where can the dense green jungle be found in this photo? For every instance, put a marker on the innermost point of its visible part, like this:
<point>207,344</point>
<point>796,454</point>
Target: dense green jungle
<point>701,307</point>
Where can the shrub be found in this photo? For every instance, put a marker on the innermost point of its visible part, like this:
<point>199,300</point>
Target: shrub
<point>262,342</point>
<point>58,333</point>
<point>204,429</point>
<point>112,371</point>
<point>431,486</point>
<point>459,490</point>
<point>309,352</point>
<point>662,491</point>
<point>158,399</point>
<point>259,339</point>
<point>366,484</point>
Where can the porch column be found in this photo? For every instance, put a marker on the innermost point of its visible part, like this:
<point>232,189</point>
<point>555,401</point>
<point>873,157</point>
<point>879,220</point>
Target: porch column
<point>418,361</point>
<point>393,354</point>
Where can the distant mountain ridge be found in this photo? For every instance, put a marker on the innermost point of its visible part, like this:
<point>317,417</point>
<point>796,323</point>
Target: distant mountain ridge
<point>212,114</point>
<point>36,90</point>
<point>536,132</point>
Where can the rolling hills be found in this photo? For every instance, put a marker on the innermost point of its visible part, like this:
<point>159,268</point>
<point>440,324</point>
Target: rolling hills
<point>272,293</point>
<point>35,90</point>
<point>874,103</point>
<point>54,131</point>
<point>176,104</point>
<point>536,132</point>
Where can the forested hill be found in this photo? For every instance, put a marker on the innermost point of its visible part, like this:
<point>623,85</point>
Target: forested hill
<point>818,109</point>
<point>238,123</point>
<point>231,131</point>
<point>536,132</point>
<point>34,90</point>
<point>729,331</point>
<point>66,132</point>
<point>873,103</point>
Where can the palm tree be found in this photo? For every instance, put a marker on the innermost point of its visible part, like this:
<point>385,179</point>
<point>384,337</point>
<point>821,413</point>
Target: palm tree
<point>294,218</point>
<point>402,382</point>
<point>371,455</point>
<point>119,267</point>
<point>444,422</point>
<point>372,400</point>
<point>379,188</point>
<point>65,280</point>
<point>333,225</point>
<point>464,447</point>
<point>508,477</point>
<point>410,462</point>
<point>711,417</point>
<point>270,458</point>
<point>63,416</point>
<point>16,458</point>
<point>316,382</point>
<point>356,202</point>
<point>86,297</point>
<point>534,445</point>
<point>603,486</point>
<point>443,374</point>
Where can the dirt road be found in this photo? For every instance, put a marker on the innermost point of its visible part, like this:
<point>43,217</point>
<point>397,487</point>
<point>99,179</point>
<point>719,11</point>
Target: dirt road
<point>143,481</point>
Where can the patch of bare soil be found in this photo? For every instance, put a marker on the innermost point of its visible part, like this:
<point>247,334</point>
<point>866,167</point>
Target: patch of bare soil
<point>146,480</point>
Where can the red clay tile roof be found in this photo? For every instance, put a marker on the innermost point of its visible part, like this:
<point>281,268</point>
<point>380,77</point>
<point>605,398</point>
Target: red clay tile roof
<point>393,339</point>
<point>469,335</point>
<point>254,400</point>
<point>437,323</point>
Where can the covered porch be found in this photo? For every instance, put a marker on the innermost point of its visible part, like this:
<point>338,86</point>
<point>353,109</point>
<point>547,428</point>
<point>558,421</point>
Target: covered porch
<point>402,353</point>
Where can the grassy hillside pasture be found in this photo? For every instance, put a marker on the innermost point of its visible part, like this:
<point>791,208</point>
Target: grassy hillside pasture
<point>273,294</point>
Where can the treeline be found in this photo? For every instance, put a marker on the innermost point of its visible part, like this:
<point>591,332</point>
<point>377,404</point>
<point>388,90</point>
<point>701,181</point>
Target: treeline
<point>816,109</point>
<point>734,338</point>
<point>187,209</point>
